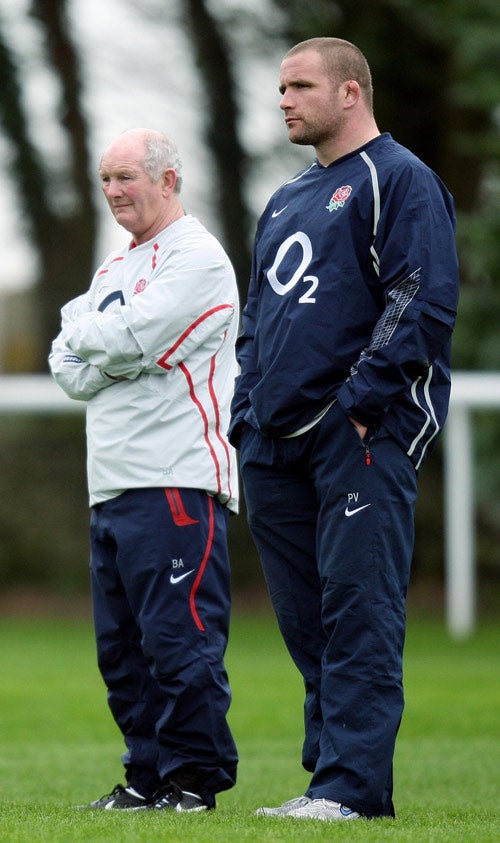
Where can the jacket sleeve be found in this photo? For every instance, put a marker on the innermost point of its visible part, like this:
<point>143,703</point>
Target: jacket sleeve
<point>78,379</point>
<point>418,267</point>
<point>249,370</point>
<point>185,303</point>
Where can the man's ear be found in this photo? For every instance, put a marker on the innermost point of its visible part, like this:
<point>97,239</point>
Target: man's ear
<point>352,92</point>
<point>169,179</point>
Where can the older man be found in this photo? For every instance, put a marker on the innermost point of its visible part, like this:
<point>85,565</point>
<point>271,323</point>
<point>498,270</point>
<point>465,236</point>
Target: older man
<point>150,348</point>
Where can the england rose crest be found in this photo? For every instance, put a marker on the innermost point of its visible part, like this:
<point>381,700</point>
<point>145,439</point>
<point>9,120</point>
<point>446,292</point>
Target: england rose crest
<point>140,286</point>
<point>339,198</point>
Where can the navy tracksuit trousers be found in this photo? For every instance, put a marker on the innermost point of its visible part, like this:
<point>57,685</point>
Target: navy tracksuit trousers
<point>161,599</point>
<point>334,528</point>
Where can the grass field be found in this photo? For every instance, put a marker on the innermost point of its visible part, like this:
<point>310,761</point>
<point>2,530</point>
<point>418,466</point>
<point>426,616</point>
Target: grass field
<point>59,746</point>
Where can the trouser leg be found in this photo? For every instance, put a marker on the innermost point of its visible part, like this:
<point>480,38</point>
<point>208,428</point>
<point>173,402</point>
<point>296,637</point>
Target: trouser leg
<point>282,519</point>
<point>173,563</point>
<point>365,546</point>
<point>134,697</point>
<point>361,564</point>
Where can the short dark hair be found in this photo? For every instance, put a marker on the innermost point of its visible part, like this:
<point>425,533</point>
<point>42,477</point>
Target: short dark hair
<point>342,61</point>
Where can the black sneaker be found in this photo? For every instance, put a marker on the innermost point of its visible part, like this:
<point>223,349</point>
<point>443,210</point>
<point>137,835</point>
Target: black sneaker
<point>120,798</point>
<point>172,798</point>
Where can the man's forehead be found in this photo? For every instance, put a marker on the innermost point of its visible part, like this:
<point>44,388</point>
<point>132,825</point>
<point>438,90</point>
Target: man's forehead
<point>305,63</point>
<point>125,153</point>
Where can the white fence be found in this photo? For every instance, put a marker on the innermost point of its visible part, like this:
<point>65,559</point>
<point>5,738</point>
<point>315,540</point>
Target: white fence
<point>470,391</point>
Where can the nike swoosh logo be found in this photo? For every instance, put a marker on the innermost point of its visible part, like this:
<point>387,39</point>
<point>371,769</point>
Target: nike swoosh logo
<point>174,579</point>
<point>350,512</point>
<point>277,213</point>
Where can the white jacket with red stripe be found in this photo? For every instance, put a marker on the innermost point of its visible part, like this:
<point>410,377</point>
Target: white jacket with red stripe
<point>150,347</point>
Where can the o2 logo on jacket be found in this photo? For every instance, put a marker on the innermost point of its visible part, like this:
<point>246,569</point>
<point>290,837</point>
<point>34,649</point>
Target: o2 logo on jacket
<point>283,288</point>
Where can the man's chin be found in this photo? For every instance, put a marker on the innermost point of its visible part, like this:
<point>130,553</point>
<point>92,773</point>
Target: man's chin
<point>122,217</point>
<point>297,138</point>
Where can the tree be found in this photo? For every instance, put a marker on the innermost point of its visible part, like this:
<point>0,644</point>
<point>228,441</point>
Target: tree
<point>57,200</point>
<point>436,89</point>
<point>42,523</point>
<point>213,57</point>
<point>435,70</point>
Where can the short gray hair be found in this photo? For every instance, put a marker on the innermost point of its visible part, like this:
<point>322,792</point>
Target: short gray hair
<point>161,154</point>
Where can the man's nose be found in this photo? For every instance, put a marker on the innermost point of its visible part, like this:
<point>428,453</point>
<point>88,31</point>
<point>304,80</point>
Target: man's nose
<point>285,101</point>
<point>113,187</point>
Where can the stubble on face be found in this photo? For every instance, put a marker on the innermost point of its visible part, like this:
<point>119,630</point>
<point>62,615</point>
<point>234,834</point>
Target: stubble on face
<point>317,130</point>
<point>312,113</point>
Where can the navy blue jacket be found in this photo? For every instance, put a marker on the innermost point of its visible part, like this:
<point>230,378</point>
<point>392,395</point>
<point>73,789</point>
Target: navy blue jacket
<point>352,296</point>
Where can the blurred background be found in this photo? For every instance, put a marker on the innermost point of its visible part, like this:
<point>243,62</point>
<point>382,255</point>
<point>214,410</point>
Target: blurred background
<point>75,73</point>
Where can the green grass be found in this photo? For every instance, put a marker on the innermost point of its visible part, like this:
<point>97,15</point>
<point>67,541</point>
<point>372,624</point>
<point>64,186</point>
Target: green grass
<point>59,746</point>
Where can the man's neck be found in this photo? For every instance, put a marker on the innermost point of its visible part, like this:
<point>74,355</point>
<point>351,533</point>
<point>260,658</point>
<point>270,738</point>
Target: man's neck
<point>338,147</point>
<point>171,215</point>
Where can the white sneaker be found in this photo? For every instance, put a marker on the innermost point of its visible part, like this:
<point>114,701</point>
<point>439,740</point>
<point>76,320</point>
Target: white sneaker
<point>284,809</point>
<point>323,809</point>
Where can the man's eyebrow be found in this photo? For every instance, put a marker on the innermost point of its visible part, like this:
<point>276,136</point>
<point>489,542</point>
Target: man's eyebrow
<point>119,170</point>
<point>297,80</point>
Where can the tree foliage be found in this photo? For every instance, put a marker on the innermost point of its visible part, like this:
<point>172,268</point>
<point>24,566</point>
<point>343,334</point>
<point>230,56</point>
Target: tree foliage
<point>435,70</point>
<point>57,201</point>
<point>213,57</point>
